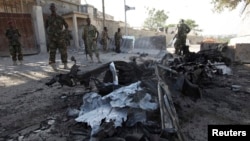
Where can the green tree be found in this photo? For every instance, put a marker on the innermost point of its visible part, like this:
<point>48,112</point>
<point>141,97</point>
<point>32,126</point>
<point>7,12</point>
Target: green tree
<point>156,19</point>
<point>221,5</point>
<point>192,24</point>
<point>171,25</point>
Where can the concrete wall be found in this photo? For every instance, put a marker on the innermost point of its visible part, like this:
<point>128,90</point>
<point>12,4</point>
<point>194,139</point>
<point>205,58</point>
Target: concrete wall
<point>39,28</point>
<point>142,35</point>
<point>61,6</point>
<point>242,52</point>
<point>74,1</point>
<point>107,17</point>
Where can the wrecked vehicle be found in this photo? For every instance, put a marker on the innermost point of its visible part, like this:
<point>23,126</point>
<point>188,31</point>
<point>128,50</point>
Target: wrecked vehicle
<point>131,101</point>
<point>191,72</point>
<point>127,101</point>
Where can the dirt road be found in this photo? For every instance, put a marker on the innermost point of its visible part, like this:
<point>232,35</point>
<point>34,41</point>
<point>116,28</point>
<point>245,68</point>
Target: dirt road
<point>30,110</point>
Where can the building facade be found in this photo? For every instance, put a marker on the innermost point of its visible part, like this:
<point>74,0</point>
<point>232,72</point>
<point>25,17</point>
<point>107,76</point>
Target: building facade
<point>29,17</point>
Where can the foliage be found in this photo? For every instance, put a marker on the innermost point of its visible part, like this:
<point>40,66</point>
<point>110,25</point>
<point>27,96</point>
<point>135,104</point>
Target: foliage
<point>171,25</point>
<point>156,19</point>
<point>221,5</point>
<point>192,24</point>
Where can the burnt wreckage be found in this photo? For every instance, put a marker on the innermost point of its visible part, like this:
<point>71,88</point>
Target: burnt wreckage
<point>133,101</point>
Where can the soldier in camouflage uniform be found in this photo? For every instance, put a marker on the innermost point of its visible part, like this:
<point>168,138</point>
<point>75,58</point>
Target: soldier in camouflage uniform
<point>54,28</point>
<point>181,37</point>
<point>67,36</point>
<point>90,36</point>
<point>118,37</point>
<point>105,38</point>
<point>14,44</point>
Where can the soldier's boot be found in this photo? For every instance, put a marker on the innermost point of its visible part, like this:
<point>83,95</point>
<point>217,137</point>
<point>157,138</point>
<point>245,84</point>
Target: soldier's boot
<point>53,65</point>
<point>99,61</point>
<point>14,63</point>
<point>21,62</point>
<point>66,66</point>
<point>91,60</point>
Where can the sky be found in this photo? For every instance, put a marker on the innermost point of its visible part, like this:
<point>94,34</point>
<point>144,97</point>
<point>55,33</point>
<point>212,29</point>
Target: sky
<point>200,11</point>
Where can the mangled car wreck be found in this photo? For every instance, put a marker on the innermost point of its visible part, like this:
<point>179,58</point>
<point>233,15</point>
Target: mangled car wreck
<point>133,101</point>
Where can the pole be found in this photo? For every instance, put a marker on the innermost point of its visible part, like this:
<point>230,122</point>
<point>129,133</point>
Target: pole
<point>103,13</point>
<point>125,17</point>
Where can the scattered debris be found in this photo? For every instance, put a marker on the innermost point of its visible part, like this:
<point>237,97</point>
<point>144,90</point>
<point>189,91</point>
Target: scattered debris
<point>235,88</point>
<point>128,96</point>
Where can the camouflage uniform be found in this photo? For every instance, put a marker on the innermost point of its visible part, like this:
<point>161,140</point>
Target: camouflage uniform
<point>181,37</point>
<point>14,44</point>
<point>88,36</point>
<point>54,26</point>
<point>118,37</point>
<point>104,39</point>
<point>68,36</point>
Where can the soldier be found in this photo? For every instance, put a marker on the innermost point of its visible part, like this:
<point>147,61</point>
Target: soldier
<point>68,37</point>
<point>118,37</point>
<point>14,44</point>
<point>105,38</point>
<point>54,27</point>
<point>90,36</point>
<point>181,37</point>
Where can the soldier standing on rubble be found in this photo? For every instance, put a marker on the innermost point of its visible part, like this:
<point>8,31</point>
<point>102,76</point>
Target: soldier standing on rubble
<point>105,38</point>
<point>14,44</point>
<point>90,35</point>
<point>181,37</point>
<point>118,37</point>
<point>54,27</point>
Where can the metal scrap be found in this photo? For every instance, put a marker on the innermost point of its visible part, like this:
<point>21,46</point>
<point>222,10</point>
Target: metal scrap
<point>113,107</point>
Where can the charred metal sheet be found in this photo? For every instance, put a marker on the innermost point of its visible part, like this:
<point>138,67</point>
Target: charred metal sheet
<point>193,71</point>
<point>215,54</point>
<point>126,73</point>
<point>114,107</point>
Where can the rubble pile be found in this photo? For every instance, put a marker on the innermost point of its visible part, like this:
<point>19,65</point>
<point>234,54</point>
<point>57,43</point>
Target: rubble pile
<point>122,102</point>
<point>193,71</point>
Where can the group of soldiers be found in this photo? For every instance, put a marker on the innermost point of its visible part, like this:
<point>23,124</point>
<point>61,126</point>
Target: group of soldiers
<point>58,38</point>
<point>90,36</point>
<point>117,38</point>
<point>56,28</point>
